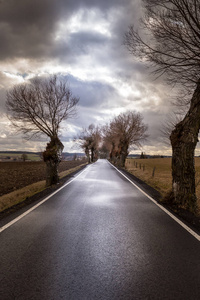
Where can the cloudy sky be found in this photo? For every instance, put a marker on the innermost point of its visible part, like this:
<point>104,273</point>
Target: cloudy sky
<point>83,40</point>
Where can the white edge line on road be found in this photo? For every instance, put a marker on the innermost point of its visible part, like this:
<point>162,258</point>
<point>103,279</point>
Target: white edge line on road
<point>196,235</point>
<point>40,203</point>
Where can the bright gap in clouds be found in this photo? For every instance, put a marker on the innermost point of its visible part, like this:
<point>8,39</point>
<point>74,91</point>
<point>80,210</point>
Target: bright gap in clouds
<point>83,21</point>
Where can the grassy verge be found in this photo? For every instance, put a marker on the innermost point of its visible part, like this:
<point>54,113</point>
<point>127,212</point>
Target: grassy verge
<point>18,196</point>
<point>157,173</point>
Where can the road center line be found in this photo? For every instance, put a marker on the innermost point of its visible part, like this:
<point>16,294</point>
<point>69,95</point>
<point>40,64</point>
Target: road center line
<point>40,203</point>
<point>196,235</point>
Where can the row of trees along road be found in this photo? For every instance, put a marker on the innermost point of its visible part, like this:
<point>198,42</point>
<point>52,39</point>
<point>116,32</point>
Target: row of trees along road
<point>169,40</point>
<point>115,139</point>
<point>40,106</point>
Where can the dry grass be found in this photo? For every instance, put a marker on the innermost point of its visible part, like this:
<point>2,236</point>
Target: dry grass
<point>161,179</point>
<point>20,195</point>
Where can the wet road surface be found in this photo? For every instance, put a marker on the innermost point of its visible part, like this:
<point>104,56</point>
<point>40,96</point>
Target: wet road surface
<point>98,238</point>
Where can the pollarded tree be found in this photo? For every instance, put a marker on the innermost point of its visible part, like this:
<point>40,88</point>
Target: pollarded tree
<point>110,141</point>
<point>170,41</point>
<point>123,132</point>
<point>129,130</point>
<point>89,140</point>
<point>39,107</point>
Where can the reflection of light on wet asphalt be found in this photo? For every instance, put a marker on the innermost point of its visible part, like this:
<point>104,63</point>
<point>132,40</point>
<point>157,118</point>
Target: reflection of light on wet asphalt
<point>101,182</point>
<point>102,200</point>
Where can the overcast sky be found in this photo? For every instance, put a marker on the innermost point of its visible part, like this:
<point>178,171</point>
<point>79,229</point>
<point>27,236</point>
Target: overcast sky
<point>83,40</point>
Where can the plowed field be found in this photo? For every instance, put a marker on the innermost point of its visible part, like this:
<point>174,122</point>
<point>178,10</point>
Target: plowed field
<point>16,175</point>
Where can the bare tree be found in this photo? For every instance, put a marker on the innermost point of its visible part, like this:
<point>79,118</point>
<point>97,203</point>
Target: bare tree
<point>39,107</point>
<point>169,40</point>
<point>169,125</point>
<point>110,141</point>
<point>130,130</point>
<point>124,131</point>
<point>89,140</point>
<point>111,145</point>
<point>104,151</point>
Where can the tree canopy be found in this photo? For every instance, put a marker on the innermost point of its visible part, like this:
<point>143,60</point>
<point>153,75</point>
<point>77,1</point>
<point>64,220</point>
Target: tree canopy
<point>89,140</point>
<point>40,106</point>
<point>124,131</point>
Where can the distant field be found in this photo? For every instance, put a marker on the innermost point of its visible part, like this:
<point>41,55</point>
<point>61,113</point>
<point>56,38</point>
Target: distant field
<point>157,173</point>
<point>31,156</point>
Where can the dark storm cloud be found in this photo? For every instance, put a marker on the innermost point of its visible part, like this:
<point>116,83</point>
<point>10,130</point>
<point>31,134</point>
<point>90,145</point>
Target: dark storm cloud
<point>27,27</point>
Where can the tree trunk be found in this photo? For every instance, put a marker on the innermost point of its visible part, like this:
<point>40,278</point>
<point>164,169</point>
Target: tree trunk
<point>183,140</point>
<point>87,153</point>
<point>52,172</point>
<point>123,155</point>
<point>92,154</point>
<point>112,152</point>
<point>52,157</point>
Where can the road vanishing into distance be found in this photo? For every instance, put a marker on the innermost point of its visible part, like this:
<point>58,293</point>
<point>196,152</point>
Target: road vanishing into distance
<point>99,237</point>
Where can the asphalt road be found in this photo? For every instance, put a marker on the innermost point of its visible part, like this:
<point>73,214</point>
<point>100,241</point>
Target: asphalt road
<point>98,238</point>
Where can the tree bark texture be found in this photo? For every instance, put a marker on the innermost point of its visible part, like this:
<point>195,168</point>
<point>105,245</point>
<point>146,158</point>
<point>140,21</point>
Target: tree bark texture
<point>51,172</point>
<point>123,155</point>
<point>87,153</point>
<point>184,139</point>
<point>52,157</point>
<point>92,154</point>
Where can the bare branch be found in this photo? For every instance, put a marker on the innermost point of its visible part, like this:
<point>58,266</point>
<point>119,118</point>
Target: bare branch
<point>89,140</point>
<point>40,107</point>
<point>124,131</point>
<point>169,40</point>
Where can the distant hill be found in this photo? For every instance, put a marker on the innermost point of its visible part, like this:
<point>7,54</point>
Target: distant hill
<point>18,152</point>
